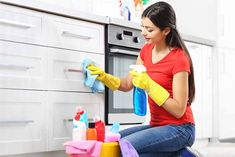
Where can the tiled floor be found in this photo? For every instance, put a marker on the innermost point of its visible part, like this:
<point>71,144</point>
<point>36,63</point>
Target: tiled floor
<point>217,150</point>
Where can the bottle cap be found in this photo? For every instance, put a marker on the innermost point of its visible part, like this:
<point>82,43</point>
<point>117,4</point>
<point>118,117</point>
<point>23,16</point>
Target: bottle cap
<point>96,119</point>
<point>115,127</point>
<point>91,125</point>
<point>79,110</point>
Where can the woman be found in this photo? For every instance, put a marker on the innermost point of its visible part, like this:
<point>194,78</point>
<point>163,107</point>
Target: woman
<point>169,83</point>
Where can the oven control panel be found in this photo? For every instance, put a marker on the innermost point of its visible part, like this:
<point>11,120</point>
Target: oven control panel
<point>123,36</point>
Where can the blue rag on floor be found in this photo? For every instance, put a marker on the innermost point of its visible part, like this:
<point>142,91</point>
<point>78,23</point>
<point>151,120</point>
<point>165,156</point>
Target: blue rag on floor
<point>90,80</point>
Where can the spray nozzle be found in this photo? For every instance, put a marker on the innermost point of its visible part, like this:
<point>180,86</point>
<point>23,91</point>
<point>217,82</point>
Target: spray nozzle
<point>79,112</point>
<point>138,67</point>
<point>96,119</point>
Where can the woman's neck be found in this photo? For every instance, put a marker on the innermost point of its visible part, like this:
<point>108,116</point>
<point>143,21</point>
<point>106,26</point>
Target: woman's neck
<point>161,48</point>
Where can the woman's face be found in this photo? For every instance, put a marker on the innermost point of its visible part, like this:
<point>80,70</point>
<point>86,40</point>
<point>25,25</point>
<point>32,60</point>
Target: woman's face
<point>152,33</point>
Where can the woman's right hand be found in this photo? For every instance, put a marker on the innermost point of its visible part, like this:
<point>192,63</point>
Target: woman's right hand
<point>95,70</point>
<point>109,80</point>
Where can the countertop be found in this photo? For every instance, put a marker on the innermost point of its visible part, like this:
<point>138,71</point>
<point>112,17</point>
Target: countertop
<point>57,10</point>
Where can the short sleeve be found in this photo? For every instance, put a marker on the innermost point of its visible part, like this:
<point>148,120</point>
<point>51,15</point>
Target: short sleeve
<point>144,51</point>
<point>181,63</point>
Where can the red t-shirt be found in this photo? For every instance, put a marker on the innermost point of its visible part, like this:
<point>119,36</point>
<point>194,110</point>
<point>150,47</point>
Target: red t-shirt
<point>162,72</point>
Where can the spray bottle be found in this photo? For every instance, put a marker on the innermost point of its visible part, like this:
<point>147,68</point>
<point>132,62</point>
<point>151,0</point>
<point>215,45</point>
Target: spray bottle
<point>100,128</point>
<point>79,127</point>
<point>139,95</point>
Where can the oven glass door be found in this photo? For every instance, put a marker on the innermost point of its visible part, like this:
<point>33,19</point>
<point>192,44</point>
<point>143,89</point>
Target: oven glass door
<point>120,104</point>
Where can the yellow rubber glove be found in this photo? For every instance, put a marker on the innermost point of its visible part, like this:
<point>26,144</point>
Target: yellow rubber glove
<point>110,81</point>
<point>158,94</point>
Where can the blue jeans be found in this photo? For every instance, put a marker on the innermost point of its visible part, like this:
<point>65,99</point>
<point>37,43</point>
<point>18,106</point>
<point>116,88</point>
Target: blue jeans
<point>162,141</point>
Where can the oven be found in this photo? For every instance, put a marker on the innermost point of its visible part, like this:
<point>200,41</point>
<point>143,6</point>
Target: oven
<point>123,45</point>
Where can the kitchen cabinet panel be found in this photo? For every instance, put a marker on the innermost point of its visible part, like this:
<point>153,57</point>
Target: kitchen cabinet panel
<point>195,19</point>
<point>226,86</point>
<point>63,66</point>
<point>22,66</point>
<point>202,105</point>
<point>62,107</point>
<point>22,121</point>
<point>21,25</point>
<point>74,34</point>
<point>38,92</point>
<point>226,24</point>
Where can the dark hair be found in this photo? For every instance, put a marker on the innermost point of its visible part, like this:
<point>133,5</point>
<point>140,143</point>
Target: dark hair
<point>163,15</point>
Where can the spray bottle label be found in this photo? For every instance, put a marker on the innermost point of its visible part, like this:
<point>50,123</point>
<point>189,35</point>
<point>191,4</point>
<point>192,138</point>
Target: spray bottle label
<point>139,95</point>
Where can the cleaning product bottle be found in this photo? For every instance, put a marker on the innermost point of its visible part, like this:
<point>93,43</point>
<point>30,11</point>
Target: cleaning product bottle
<point>139,95</point>
<point>79,127</point>
<point>91,131</point>
<point>100,128</point>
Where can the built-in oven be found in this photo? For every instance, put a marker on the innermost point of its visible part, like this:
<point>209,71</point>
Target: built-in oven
<point>123,45</point>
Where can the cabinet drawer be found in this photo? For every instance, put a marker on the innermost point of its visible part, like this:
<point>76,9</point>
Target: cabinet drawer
<point>22,66</point>
<point>61,64</point>
<point>22,121</point>
<point>75,34</point>
<point>21,25</point>
<point>62,110</point>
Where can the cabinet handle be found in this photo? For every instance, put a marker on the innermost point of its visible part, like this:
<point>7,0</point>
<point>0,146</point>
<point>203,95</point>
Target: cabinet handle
<point>73,70</point>
<point>223,58</point>
<point>16,121</point>
<point>209,72</point>
<point>68,120</point>
<point>15,24</point>
<point>15,67</point>
<point>122,51</point>
<point>69,34</point>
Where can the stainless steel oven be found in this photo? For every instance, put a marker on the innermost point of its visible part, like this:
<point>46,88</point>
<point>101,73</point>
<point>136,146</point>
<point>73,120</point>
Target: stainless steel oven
<point>122,48</point>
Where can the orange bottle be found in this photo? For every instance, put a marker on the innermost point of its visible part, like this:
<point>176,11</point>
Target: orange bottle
<point>91,133</point>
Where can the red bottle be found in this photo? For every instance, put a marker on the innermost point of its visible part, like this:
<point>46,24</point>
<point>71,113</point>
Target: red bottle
<point>100,129</point>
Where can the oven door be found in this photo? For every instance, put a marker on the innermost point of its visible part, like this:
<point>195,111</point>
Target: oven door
<point>119,105</point>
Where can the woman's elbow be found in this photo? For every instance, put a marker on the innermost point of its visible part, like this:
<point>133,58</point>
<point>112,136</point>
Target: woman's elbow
<point>179,114</point>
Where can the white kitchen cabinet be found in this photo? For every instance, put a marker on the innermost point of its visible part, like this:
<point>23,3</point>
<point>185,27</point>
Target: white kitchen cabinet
<point>22,66</point>
<point>23,127</point>
<point>194,18</point>
<point>62,110</point>
<point>20,25</point>
<point>65,69</point>
<point>74,34</point>
<point>225,93</point>
<point>202,106</point>
<point>226,24</point>
<point>39,89</point>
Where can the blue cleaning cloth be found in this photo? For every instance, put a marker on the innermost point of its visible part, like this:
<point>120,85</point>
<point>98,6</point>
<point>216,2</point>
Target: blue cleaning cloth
<point>90,80</point>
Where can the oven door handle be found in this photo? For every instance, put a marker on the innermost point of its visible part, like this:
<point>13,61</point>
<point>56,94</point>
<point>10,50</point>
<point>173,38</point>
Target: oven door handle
<point>128,52</point>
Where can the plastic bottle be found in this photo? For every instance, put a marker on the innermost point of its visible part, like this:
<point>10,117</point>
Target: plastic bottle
<point>139,95</point>
<point>91,133</point>
<point>79,127</point>
<point>100,129</point>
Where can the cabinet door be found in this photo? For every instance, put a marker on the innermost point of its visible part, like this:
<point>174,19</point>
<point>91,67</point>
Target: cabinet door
<point>74,34</point>
<point>226,24</point>
<point>207,82</point>
<point>202,106</point>
<point>62,107</point>
<point>22,66</point>
<point>22,122</point>
<point>21,25</point>
<point>226,87</point>
<point>195,51</point>
<point>65,69</point>
<point>191,14</point>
